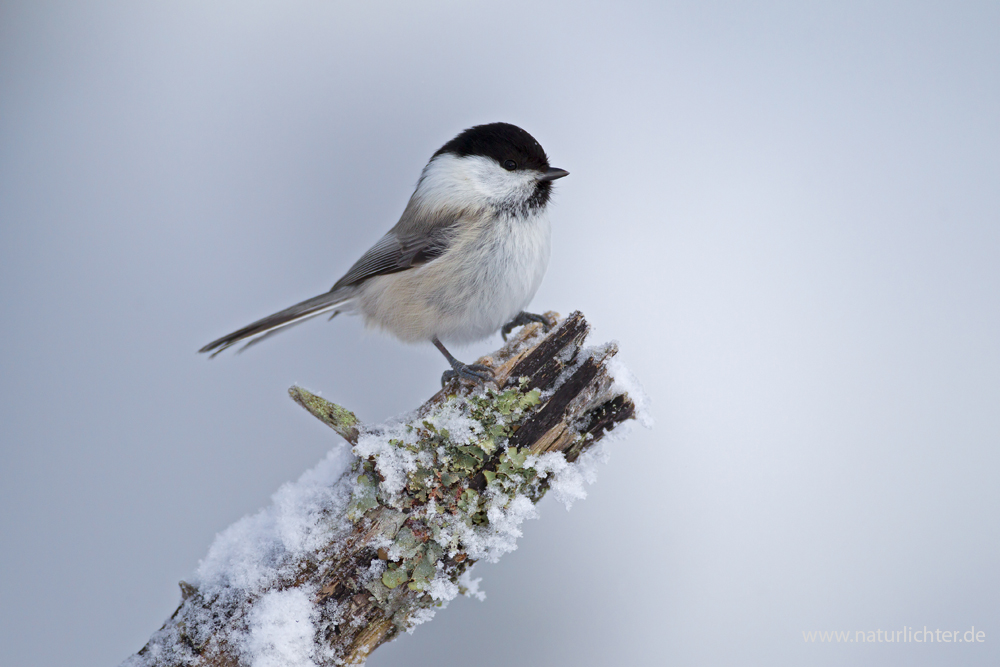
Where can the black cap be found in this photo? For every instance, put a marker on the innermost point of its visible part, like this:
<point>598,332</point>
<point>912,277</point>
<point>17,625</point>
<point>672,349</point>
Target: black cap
<point>502,142</point>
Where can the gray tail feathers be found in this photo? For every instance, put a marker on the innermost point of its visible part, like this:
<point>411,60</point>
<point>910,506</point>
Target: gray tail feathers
<point>300,312</point>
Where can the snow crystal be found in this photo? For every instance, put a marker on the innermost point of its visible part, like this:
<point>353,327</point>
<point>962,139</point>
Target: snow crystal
<point>393,462</point>
<point>567,483</point>
<point>419,616</point>
<point>471,585</point>
<point>504,528</point>
<point>442,588</point>
<point>626,382</point>
<point>249,555</point>
<point>281,629</point>
<point>459,425</point>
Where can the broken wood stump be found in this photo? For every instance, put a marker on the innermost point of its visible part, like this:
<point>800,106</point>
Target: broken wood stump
<point>372,541</point>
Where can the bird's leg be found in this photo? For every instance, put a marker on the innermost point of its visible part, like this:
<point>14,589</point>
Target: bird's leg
<point>522,319</point>
<point>477,373</point>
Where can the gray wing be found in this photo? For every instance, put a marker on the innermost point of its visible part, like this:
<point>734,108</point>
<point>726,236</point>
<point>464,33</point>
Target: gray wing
<point>399,251</point>
<point>415,240</point>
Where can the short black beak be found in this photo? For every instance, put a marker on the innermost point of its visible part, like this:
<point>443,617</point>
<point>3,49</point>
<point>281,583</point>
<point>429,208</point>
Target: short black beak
<point>553,173</point>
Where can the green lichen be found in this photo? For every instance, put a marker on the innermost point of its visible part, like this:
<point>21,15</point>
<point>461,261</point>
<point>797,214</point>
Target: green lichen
<point>379,590</point>
<point>390,522</point>
<point>425,566</point>
<point>407,544</point>
<point>339,418</point>
<point>420,523</point>
<point>511,469</point>
<point>469,504</point>
<point>394,575</point>
<point>363,498</point>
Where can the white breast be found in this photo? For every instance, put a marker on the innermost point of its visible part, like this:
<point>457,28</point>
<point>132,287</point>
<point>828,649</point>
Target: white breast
<point>489,275</point>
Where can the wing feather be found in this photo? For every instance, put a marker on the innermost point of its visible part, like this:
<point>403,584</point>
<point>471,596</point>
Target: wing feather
<point>395,252</point>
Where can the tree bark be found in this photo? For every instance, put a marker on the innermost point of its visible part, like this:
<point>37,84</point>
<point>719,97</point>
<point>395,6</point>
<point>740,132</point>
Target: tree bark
<point>551,395</point>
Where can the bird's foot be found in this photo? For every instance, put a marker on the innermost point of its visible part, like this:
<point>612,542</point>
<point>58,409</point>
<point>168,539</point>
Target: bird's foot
<point>475,373</point>
<point>525,318</point>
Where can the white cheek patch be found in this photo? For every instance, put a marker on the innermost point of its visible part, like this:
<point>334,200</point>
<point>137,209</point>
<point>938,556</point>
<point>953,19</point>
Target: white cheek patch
<point>471,181</point>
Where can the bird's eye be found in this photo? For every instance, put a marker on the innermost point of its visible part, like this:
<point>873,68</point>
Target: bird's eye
<point>510,165</point>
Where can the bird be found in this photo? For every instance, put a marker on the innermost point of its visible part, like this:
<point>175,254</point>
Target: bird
<point>464,260</point>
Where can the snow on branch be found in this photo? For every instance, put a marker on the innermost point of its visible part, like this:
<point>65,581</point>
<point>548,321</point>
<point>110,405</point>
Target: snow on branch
<point>373,540</point>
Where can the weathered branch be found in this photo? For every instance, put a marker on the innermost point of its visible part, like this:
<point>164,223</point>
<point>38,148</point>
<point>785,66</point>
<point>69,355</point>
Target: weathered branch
<point>390,540</point>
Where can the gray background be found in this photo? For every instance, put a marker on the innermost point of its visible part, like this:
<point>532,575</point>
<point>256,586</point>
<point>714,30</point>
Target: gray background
<point>789,217</point>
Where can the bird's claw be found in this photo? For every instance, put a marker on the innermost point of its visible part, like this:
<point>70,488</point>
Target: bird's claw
<point>475,373</point>
<point>522,319</point>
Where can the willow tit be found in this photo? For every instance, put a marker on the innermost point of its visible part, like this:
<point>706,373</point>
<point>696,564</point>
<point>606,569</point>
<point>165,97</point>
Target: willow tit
<point>464,260</point>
